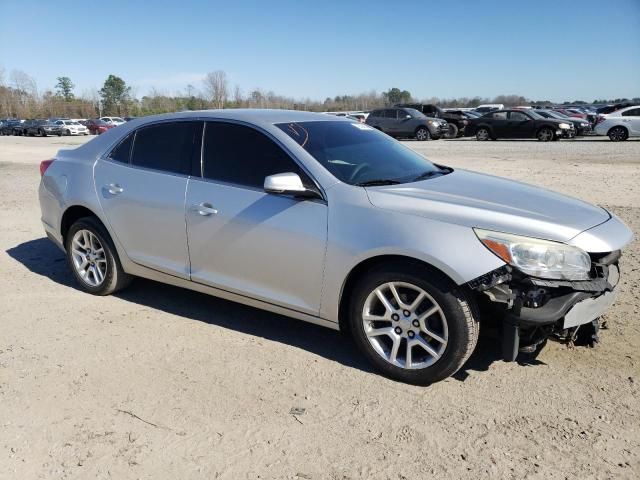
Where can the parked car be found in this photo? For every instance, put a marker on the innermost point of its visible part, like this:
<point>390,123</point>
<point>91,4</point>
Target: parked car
<point>582,127</point>
<point>569,112</point>
<point>97,126</point>
<point>41,128</point>
<point>9,127</point>
<point>620,125</point>
<point>331,221</point>
<point>455,121</point>
<point>71,127</point>
<point>518,124</point>
<point>408,123</point>
<point>489,107</point>
<point>115,121</point>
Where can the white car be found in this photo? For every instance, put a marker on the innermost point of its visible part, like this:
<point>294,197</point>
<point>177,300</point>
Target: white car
<point>71,127</point>
<point>113,120</point>
<point>621,124</point>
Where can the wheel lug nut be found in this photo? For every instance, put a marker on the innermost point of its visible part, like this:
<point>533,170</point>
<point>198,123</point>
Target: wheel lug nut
<point>411,334</point>
<point>416,323</point>
<point>395,317</point>
<point>407,313</point>
<point>398,330</point>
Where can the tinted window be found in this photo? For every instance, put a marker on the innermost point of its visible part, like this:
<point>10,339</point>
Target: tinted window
<point>356,153</point>
<point>390,114</point>
<point>377,113</point>
<point>499,116</point>
<point>122,153</point>
<point>634,112</point>
<point>518,116</point>
<point>171,147</point>
<point>241,155</point>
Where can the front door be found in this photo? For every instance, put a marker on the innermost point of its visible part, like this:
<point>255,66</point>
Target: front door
<point>243,240</point>
<point>141,186</point>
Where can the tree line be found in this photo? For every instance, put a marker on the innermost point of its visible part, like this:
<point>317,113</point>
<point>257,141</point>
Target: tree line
<point>21,98</point>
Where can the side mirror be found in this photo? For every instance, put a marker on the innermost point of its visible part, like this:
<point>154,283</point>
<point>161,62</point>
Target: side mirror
<point>288,184</point>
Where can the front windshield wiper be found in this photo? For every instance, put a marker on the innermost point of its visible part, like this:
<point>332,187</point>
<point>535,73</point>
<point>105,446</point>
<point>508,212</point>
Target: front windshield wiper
<point>377,182</point>
<point>432,173</point>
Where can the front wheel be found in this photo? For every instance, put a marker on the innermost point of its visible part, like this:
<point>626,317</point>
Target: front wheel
<point>422,134</point>
<point>93,259</point>
<point>68,132</point>
<point>413,327</point>
<point>618,134</point>
<point>545,134</point>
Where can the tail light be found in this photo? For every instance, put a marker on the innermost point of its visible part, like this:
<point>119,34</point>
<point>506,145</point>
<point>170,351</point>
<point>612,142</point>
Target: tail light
<point>599,119</point>
<point>44,165</point>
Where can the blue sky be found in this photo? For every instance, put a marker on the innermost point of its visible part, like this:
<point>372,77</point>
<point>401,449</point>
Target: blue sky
<point>542,49</point>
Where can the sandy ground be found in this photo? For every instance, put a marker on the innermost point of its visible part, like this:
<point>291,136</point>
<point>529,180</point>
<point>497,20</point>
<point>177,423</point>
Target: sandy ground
<point>163,383</point>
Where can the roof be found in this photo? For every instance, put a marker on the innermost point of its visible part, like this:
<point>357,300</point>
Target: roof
<point>251,115</point>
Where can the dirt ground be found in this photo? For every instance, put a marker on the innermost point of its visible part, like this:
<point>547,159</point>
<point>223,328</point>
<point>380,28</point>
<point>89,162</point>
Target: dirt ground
<point>162,383</point>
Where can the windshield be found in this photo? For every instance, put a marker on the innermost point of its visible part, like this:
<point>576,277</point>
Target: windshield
<point>415,113</point>
<point>534,114</point>
<point>356,153</point>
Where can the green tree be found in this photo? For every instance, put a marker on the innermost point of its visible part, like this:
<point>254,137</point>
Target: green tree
<point>115,95</point>
<point>64,88</point>
<point>395,95</point>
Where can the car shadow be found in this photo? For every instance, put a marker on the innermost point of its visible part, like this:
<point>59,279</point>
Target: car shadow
<point>43,258</point>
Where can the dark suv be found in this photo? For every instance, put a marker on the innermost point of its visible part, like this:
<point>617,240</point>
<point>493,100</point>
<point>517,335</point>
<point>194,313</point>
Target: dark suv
<point>41,128</point>
<point>9,127</point>
<point>408,123</point>
<point>455,121</point>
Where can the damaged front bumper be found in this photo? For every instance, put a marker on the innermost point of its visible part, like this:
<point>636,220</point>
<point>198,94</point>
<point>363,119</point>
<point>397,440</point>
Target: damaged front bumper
<point>542,308</point>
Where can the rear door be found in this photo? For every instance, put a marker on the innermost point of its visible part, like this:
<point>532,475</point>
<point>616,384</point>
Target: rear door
<point>263,246</point>
<point>499,124</point>
<point>142,184</point>
<point>631,118</point>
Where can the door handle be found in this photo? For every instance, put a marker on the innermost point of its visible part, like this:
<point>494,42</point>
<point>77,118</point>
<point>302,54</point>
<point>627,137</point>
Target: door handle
<point>205,209</point>
<point>114,189</point>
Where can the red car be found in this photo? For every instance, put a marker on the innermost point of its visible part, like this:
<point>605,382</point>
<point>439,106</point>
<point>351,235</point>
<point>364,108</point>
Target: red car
<point>97,126</point>
<point>569,112</point>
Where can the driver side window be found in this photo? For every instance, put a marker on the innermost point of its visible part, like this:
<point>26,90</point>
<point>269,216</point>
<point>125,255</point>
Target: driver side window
<point>243,156</point>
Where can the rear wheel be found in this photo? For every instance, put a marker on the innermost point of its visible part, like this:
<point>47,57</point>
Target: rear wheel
<point>545,134</point>
<point>452,132</point>
<point>93,259</point>
<point>618,134</point>
<point>422,134</point>
<point>482,134</point>
<point>413,327</point>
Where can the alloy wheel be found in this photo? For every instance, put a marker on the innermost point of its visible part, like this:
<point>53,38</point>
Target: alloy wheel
<point>545,135</point>
<point>89,258</point>
<point>482,134</point>
<point>617,134</point>
<point>405,325</point>
<point>422,134</point>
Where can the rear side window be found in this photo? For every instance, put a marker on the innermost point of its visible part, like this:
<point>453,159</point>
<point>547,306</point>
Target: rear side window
<point>390,114</point>
<point>122,153</point>
<point>634,112</point>
<point>170,147</point>
<point>241,155</point>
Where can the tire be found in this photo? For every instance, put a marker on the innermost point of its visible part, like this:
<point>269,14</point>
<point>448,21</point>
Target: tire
<point>483,134</point>
<point>422,134</point>
<point>42,133</point>
<point>545,134</point>
<point>113,277</point>
<point>618,134</point>
<point>453,131</point>
<point>454,324</point>
<point>68,133</point>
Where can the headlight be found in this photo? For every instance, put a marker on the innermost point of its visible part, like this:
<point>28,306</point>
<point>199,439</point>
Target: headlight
<point>564,125</point>
<point>584,124</point>
<point>432,122</point>
<point>536,257</point>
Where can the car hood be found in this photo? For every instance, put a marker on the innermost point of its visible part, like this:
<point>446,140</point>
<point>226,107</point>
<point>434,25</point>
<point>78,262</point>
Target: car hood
<point>493,203</point>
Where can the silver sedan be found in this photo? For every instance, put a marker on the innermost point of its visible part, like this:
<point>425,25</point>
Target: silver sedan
<point>330,221</point>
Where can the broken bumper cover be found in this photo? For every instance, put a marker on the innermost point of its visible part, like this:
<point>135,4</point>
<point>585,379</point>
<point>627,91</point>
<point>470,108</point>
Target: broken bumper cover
<point>531,302</point>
